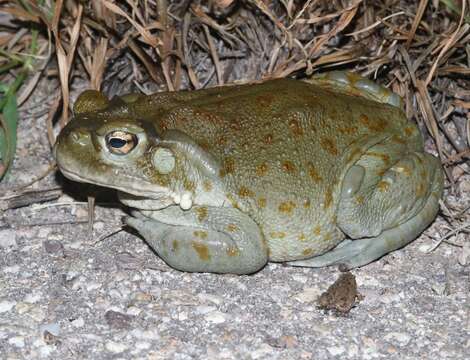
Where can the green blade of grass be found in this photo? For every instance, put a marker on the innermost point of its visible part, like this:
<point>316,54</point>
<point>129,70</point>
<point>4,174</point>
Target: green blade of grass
<point>8,125</point>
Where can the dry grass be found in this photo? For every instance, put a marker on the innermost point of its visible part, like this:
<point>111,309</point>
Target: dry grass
<point>420,49</point>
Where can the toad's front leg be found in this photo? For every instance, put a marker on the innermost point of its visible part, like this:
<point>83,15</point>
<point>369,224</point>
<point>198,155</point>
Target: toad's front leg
<point>204,239</point>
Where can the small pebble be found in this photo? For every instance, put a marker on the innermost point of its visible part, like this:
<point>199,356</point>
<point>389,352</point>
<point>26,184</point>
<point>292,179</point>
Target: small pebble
<point>209,297</point>
<point>262,352</point>
<point>17,341</point>
<point>6,306</point>
<point>78,322</point>
<point>117,319</point>
<point>52,328</point>
<point>308,295</point>
<point>216,317</point>
<point>7,238</point>
<point>402,338</point>
<point>54,247</point>
<point>115,347</point>
<point>336,350</point>
<point>22,308</point>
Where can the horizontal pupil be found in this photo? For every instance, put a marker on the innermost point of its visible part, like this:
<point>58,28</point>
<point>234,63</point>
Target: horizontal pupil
<point>117,142</point>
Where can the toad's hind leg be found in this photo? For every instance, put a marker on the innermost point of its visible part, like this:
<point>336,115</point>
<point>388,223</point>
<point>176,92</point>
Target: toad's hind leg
<point>386,215</point>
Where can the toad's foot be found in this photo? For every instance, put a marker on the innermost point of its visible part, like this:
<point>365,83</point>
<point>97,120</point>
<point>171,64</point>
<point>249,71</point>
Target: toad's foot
<point>203,239</point>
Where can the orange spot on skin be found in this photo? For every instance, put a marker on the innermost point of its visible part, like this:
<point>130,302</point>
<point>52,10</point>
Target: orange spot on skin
<point>328,198</point>
<point>397,140</point>
<point>222,141</point>
<point>245,192</point>
<point>317,230</point>
<point>207,185</point>
<point>202,250</point>
<point>278,234</point>
<point>235,125</point>
<point>287,207</point>
<point>385,158</point>
<point>264,100</point>
<point>262,203</point>
<point>295,128</point>
<point>262,169</point>
<point>268,139</point>
<point>204,144</point>
<point>200,234</point>
<point>350,130</point>
<point>189,185</point>
<point>383,186</point>
<point>302,237</point>
<point>233,251</point>
<point>376,125</point>
<point>312,172</point>
<point>289,167</point>
<point>232,227</point>
<point>421,190</point>
<point>354,154</point>
<point>359,199</point>
<point>409,131</point>
<point>307,252</point>
<point>228,167</point>
<point>329,145</point>
<point>201,213</point>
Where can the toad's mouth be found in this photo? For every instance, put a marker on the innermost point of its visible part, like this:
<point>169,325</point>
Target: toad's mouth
<point>142,189</point>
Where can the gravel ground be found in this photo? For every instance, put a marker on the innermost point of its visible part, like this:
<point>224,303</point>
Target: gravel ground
<point>66,295</point>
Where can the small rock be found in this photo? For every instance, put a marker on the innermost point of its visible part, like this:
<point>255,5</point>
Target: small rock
<point>127,261</point>
<point>464,256</point>
<point>37,314</point>
<point>216,317</point>
<point>115,347</point>
<point>7,238</point>
<point>336,350</point>
<point>90,286</point>
<point>98,225</point>
<point>133,311</point>
<point>142,345</point>
<point>308,295</point>
<point>402,338</point>
<point>288,342</point>
<point>117,319</point>
<point>204,309</point>
<point>33,297</point>
<point>50,339</point>
<point>143,297</point>
<point>78,322</point>
<point>14,269</point>
<point>262,352</point>
<point>22,308</point>
<point>52,328</point>
<point>6,306</point>
<point>17,341</point>
<point>209,297</point>
<point>54,248</point>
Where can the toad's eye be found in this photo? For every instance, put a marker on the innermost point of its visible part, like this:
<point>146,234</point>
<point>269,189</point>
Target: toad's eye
<point>121,142</point>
